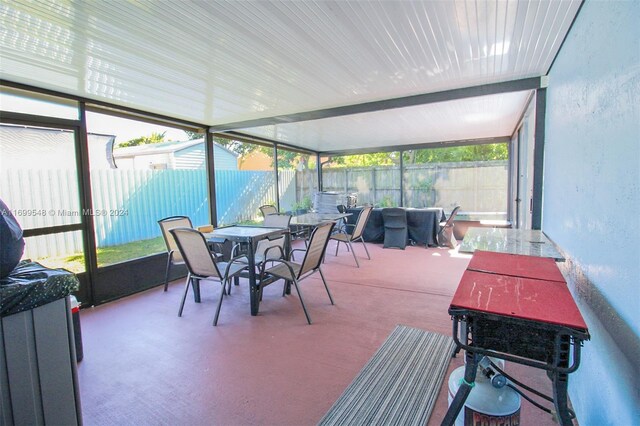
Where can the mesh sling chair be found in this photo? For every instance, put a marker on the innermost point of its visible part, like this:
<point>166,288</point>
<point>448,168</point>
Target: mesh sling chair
<point>445,235</point>
<point>271,249</point>
<point>395,227</point>
<point>340,225</point>
<point>175,257</point>
<point>202,265</point>
<point>358,230</point>
<point>268,209</point>
<point>296,272</point>
<point>299,232</point>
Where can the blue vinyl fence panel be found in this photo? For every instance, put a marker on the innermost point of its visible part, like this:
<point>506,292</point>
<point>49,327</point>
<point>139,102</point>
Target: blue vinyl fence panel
<point>127,204</point>
<point>239,194</point>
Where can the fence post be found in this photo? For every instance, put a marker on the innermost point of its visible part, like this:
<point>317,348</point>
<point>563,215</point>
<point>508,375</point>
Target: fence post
<point>374,186</point>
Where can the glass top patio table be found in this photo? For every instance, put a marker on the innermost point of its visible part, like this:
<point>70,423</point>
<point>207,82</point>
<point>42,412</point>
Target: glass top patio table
<point>241,233</point>
<point>249,235</point>
<point>513,241</point>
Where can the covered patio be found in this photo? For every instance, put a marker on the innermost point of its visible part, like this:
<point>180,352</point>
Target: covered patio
<point>272,95</point>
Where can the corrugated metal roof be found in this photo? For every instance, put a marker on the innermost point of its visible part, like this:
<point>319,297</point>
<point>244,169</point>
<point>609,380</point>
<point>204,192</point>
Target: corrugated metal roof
<point>227,62</point>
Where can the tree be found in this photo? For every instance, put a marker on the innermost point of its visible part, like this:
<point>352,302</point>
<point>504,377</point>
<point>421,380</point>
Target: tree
<point>155,137</point>
<point>366,160</point>
<point>286,159</point>
<point>485,152</point>
<point>238,147</point>
<point>193,135</point>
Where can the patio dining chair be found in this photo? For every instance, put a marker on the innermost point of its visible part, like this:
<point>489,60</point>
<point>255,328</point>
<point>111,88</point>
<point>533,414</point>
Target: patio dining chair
<point>395,227</point>
<point>340,225</point>
<point>358,229</point>
<point>268,209</point>
<point>270,248</point>
<point>202,266</point>
<point>445,235</point>
<point>295,272</point>
<point>174,256</point>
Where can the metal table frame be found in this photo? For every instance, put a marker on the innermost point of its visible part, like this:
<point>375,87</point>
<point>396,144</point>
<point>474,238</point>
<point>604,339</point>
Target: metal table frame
<point>557,341</point>
<point>249,235</point>
<point>539,336</point>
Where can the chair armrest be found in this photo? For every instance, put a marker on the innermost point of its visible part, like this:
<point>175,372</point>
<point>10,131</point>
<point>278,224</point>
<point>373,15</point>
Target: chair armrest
<point>291,253</point>
<point>238,257</point>
<point>238,250</point>
<point>284,262</point>
<point>343,229</point>
<point>277,237</point>
<point>232,261</point>
<point>215,247</point>
<point>266,253</point>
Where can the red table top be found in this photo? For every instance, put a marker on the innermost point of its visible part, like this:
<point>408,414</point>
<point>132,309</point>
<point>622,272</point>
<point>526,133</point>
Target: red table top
<point>542,268</point>
<point>517,297</point>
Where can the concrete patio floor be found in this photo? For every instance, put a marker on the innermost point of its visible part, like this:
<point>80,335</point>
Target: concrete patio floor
<point>143,365</point>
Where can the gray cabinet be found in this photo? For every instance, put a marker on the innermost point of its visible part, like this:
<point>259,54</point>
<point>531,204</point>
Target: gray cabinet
<point>38,375</point>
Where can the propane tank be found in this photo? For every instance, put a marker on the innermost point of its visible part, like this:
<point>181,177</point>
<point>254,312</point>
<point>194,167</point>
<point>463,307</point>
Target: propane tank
<point>490,401</point>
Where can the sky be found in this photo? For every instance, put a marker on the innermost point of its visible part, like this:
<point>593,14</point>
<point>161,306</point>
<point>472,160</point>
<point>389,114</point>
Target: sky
<point>125,129</point>
<point>122,128</point>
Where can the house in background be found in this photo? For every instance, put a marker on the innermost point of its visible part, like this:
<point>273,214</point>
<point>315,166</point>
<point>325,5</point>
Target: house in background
<point>255,160</point>
<point>174,155</point>
<point>51,149</point>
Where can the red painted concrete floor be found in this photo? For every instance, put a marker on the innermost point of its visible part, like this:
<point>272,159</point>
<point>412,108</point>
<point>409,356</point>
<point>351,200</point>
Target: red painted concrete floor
<point>143,365</point>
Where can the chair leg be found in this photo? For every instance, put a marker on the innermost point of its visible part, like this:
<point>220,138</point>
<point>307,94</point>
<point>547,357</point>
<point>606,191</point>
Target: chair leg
<point>337,246</point>
<point>304,308</point>
<point>260,287</point>
<point>184,296</point>
<point>166,274</point>
<point>215,319</point>
<point>365,247</point>
<point>353,253</point>
<point>446,238</point>
<point>325,285</point>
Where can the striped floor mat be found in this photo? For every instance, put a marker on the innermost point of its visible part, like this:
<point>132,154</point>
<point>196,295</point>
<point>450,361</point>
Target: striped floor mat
<point>400,383</point>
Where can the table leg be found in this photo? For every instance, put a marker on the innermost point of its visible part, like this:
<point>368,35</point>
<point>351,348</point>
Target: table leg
<point>253,286</point>
<point>561,381</point>
<point>463,390</point>
<point>287,284</point>
<point>195,284</point>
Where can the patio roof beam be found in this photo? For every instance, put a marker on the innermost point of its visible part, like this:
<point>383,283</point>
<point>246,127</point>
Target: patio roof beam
<point>19,118</point>
<point>122,111</point>
<point>242,137</point>
<point>429,145</point>
<point>405,101</point>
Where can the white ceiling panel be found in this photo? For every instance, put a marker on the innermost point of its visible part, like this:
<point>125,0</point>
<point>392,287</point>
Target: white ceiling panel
<point>473,118</point>
<point>221,62</point>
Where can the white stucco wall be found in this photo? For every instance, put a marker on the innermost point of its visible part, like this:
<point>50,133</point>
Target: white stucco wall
<point>591,200</point>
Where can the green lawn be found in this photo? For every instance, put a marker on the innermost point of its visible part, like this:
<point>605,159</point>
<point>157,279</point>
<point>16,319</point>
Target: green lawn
<point>107,255</point>
<point>120,253</point>
<point>113,254</point>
